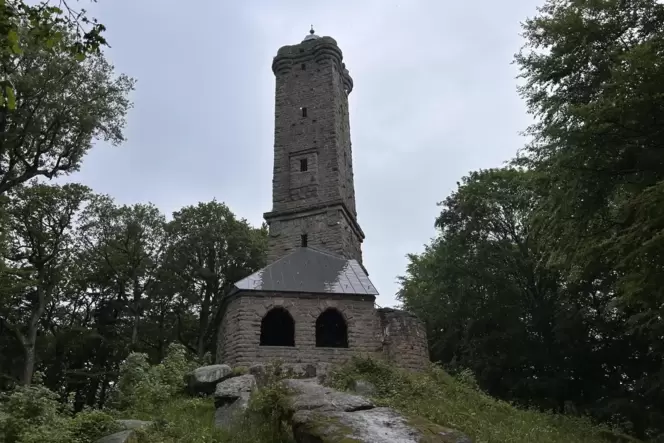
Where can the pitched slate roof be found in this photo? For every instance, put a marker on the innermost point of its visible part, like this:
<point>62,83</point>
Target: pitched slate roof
<point>310,270</point>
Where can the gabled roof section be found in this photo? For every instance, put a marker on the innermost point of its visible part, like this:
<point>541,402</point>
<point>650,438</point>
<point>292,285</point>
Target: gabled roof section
<point>310,270</point>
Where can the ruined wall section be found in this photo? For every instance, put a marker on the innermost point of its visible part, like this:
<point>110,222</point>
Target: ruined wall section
<point>404,339</point>
<point>239,335</point>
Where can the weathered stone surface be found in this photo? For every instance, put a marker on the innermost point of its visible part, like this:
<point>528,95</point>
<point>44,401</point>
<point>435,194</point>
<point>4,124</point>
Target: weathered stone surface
<point>324,415</point>
<point>227,412</point>
<point>128,436</point>
<point>377,425</point>
<point>312,126</point>
<point>404,339</point>
<point>232,398</point>
<point>232,389</point>
<point>240,329</point>
<point>133,424</point>
<point>310,395</point>
<point>204,379</point>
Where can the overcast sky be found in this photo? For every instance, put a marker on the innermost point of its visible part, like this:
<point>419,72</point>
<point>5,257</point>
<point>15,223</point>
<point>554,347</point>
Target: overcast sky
<point>434,97</point>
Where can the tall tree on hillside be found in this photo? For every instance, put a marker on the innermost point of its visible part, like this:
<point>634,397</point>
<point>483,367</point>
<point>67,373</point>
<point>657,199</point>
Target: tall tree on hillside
<point>41,219</point>
<point>60,106</point>
<point>491,304</point>
<point>481,288</point>
<point>209,250</point>
<point>126,243</point>
<point>595,83</point>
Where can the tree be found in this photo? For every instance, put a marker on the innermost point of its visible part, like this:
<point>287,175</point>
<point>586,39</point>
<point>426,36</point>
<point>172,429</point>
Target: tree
<point>209,250</point>
<point>40,246</point>
<point>531,335</point>
<point>594,80</point>
<point>61,106</point>
<point>42,24</point>
<point>481,289</point>
<point>127,243</point>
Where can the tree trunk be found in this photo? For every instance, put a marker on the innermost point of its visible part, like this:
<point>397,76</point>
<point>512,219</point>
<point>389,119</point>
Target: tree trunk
<point>203,320</point>
<point>136,312</point>
<point>29,362</point>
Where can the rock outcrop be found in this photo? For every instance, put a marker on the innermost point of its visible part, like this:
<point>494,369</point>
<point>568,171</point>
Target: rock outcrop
<point>324,415</point>
<point>231,397</point>
<point>321,414</point>
<point>205,379</point>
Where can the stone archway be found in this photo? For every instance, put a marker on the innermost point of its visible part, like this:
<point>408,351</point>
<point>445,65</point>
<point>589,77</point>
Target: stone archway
<point>331,330</point>
<point>277,328</point>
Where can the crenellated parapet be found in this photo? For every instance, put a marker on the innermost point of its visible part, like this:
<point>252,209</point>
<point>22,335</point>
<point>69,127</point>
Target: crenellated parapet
<point>320,50</point>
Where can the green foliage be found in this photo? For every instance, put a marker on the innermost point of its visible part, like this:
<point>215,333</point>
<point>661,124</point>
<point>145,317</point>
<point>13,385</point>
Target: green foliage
<point>209,249</point>
<point>447,401</point>
<point>186,420</point>
<point>32,414</point>
<point>44,25</point>
<point>528,331</point>
<point>91,425</point>
<point>271,405</point>
<point>60,105</point>
<point>142,387</point>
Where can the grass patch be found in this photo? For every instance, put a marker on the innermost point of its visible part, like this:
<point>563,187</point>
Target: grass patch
<point>191,420</point>
<point>183,419</point>
<point>457,404</point>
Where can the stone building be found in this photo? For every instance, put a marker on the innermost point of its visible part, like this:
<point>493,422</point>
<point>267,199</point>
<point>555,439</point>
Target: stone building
<point>314,302</point>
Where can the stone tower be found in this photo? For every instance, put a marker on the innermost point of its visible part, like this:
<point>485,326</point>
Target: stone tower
<point>313,303</point>
<point>313,193</point>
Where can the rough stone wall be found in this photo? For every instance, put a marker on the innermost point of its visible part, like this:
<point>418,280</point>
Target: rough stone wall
<point>311,75</point>
<point>326,228</point>
<point>404,339</point>
<point>239,335</point>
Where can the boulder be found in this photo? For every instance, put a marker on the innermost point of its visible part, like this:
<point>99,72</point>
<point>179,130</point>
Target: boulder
<point>231,397</point>
<point>203,380</point>
<point>324,415</point>
<point>311,395</point>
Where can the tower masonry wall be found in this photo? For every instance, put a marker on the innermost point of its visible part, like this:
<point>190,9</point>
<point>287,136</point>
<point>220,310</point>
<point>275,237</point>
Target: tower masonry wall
<point>239,335</point>
<point>327,228</point>
<point>389,334</point>
<point>313,164</point>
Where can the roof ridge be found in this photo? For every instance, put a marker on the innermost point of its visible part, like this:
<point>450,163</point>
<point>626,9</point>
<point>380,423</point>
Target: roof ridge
<point>310,270</point>
<point>325,251</point>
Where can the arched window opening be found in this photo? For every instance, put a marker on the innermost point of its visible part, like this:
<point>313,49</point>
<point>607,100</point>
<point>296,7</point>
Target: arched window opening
<point>277,328</point>
<point>331,330</point>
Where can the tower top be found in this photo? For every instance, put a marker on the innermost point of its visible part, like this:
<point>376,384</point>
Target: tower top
<point>311,35</point>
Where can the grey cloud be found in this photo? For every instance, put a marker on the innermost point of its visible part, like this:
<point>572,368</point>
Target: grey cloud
<point>434,98</point>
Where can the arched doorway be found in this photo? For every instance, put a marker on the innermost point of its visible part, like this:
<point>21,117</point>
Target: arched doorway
<point>277,328</point>
<point>331,330</point>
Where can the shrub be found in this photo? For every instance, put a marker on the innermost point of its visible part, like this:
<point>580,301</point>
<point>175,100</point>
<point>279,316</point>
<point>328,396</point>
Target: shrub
<point>144,387</point>
<point>32,414</point>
